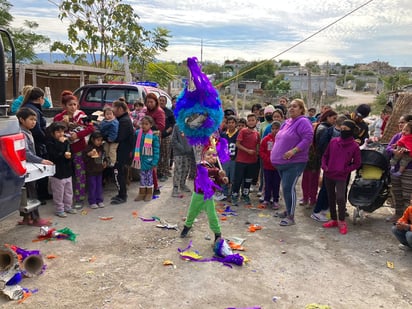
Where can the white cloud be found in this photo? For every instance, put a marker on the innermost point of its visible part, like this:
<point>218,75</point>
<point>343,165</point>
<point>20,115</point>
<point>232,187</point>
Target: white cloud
<point>254,30</point>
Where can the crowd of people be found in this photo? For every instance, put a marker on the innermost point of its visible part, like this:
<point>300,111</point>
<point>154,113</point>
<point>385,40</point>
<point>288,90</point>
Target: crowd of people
<point>269,149</point>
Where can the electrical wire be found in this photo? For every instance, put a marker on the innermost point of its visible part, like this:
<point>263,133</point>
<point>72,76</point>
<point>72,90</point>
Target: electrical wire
<point>295,45</point>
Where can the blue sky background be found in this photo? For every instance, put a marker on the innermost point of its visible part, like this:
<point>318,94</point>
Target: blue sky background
<point>251,30</point>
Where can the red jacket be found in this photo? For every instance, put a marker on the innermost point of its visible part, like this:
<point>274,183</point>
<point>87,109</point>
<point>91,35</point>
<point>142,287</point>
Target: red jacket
<point>159,117</point>
<point>82,129</point>
<point>264,151</point>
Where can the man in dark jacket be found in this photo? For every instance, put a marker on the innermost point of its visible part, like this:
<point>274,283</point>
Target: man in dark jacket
<point>126,140</point>
<point>362,131</point>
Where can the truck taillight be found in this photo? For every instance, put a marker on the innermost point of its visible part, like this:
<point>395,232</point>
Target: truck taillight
<point>13,150</point>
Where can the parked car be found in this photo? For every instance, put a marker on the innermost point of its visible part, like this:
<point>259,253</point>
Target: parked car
<point>94,97</point>
<point>12,147</point>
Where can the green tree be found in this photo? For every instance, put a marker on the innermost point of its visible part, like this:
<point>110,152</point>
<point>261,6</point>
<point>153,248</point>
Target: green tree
<point>396,81</point>
<point>25,38</point>
<point>105,29</point>
<point>162,73</point>
<point>277,86</point>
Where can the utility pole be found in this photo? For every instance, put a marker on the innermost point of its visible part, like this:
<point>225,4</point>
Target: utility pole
<point>309,88</point>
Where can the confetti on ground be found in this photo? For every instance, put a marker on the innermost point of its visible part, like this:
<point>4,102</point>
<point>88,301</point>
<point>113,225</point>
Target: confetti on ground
<point>51,256</point>
<point>390,265</point>
<point>106,218</point>
<point>134,214</point>
<point>84,212</point>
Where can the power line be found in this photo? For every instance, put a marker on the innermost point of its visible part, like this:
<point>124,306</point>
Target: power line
<point>297,44</point>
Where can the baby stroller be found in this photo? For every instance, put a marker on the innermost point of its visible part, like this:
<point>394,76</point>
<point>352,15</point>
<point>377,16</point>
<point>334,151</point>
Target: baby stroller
<point>370,188</point>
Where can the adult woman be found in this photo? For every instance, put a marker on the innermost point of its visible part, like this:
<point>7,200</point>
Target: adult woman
<point>34,99</point>
<point>126,140</point>
<point>156,112</point>
<point>290,154</point>
<point>401,185</point>
<point>78,129</point>
<point>310,178</point>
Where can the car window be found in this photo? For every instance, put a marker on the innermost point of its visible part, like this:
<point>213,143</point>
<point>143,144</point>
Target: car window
<point>113,95</point>
<point>132,95</point>
<point>94,95</point>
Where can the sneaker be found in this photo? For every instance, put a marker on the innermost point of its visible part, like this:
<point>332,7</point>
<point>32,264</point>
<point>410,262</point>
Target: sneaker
<point>276,206</point>
<point>404,247</point>
<point>261,199</point>
<point>246,199</point>
<point>219,196</point>
<point>93,206</point>
<point>78,205</point>
<point>302,202</point>
<point>71,211</point>
<point>61,214</point>
<point>330,223</point>
<point>115,197</point>
<point>235,200</point>
<point>118,201</point>
<point>156,191</point>
<point>259,194</point>
<point>185,188</point>
<point>175,192</point>
<point>397,174</point>
<point>101,205</point>
<point>343,227</point>
<point>320,217</point>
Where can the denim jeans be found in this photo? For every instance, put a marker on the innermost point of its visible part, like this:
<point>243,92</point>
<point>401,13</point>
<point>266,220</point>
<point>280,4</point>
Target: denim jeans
<point>289,174</point>
<point>404,237</point>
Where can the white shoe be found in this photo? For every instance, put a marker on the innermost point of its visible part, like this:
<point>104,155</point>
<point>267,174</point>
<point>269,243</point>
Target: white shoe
<point>94,206</point>
<point>100,205</point>
<point>219,196</point>
<point>320,217</point>
<point>403,247</point>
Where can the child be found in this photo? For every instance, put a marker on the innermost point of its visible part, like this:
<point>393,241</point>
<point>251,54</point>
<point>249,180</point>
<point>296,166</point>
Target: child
<point>95,163</point>
<point>138,113</point>
<point>404,144</point>
<point>78,130</point>
<point>247,165</point>
<point>58,148</point>
<point>241,124</point>
<point>342,156</point>
<point>402,229</point>
<point>229,167</point>
<point>182,153</point>
<point>198,203</point>
<point>109,128</point>
<point>27,119</point>
<point>146,157</point>
<point>272,177</point>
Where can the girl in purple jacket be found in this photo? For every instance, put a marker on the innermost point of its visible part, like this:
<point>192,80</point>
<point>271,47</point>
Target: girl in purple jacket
<point>342,156</point>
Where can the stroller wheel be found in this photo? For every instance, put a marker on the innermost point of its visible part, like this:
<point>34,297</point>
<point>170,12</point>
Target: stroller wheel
<point>361,216</point>
<point>356,216</point>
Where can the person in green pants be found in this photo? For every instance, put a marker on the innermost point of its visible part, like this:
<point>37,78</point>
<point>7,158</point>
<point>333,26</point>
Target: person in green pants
<point>198,202</point>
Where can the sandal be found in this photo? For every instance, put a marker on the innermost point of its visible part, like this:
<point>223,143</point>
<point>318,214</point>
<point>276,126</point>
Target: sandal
<point>287,222</point>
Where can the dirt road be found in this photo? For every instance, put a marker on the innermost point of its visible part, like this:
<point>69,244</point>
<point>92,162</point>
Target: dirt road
<point>352,98</point>
<point>119,263</point>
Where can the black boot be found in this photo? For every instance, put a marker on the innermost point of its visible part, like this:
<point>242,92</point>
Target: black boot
<point>184,232</point>
<point>217,236</point>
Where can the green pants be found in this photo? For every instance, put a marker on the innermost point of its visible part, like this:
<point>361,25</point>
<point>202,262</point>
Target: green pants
<point>197,204</point>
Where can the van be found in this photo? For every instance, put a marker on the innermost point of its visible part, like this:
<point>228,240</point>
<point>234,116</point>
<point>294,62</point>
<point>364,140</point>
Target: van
<point>95,97</point>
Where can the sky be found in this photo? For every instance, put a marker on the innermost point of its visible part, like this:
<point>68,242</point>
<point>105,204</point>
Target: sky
<point>259,30</point>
